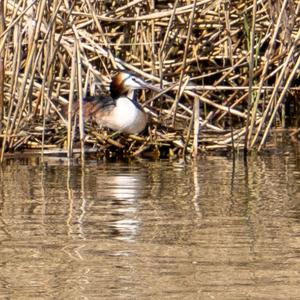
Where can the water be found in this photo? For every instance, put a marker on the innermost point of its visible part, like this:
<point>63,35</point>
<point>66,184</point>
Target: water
<point>152,230</point>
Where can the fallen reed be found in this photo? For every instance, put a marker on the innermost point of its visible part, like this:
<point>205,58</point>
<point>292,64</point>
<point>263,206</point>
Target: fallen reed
<point>228,73</point>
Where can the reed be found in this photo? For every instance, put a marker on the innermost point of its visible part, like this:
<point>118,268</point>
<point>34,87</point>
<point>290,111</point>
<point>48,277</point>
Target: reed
<point>2,69</point>
<point>251,71</point>
<point>224,70</point>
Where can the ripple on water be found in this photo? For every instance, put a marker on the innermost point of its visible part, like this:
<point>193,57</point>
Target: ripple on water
<point>151,230</point>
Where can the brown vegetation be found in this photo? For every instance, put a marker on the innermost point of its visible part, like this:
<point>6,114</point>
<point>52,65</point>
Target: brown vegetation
<point>228,71</point>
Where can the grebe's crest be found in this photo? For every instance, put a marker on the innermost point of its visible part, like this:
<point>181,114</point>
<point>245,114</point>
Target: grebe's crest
<point>124,82</point>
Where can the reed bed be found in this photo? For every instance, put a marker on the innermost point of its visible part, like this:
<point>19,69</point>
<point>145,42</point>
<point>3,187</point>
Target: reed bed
<point>228,72</point>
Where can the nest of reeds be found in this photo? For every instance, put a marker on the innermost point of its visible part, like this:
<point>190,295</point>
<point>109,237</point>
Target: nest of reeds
<point>228,72</point>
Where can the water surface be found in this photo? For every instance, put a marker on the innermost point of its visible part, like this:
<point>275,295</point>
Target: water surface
<point>210,229</point>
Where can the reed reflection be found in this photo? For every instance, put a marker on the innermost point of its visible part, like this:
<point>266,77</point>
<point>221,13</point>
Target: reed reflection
<point>118,227</point>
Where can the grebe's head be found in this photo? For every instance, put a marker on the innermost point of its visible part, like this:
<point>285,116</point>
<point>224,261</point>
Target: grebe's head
<point>124,82</point>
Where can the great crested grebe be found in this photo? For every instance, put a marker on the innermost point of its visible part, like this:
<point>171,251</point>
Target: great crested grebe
<point>120,110</point>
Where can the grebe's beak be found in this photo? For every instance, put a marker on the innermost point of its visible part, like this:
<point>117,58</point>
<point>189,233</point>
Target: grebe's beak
<point>136,83</point>
<point>149,86</point>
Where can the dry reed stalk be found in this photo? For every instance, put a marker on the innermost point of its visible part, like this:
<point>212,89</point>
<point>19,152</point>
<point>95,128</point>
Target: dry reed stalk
<point>2,69</point>
<point>14,81</point>
<point>204,61</point>
<point>141,149</point>
<point>102,33</point>
<point>274,93</point>
<point>264,72</point>
<point>279,101</point>
<point>15,20</point>
<point>183,67</point>
<point>162,54</point>
<point>220,107</point>
<point>215,86</point>
<point>196,126</point>
<point>236,103</point>
<point>28,69</point>
<point>80,96</point>
<point>295,132</point>
<point>106,139</point>
<point>250,80</point>
<point>70,106</point>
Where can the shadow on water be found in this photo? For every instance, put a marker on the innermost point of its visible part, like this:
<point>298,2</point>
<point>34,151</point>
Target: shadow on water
<point>162,230</point>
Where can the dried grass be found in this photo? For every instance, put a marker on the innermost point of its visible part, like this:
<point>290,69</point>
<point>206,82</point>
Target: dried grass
<point>227,71</point>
